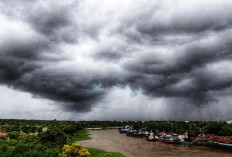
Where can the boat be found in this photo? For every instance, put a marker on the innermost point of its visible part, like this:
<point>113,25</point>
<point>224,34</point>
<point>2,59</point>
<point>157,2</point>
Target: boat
<point>130,132</point>
<point>169,140</point>
<point>124,129</point>
<point>152,137</point>
<point>138,133</point>
<point>178,140</point>
<point>145,133</point>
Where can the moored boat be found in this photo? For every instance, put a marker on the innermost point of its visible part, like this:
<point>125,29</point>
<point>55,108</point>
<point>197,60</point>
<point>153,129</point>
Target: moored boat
<point>124,129</point>
<point>152,137</point>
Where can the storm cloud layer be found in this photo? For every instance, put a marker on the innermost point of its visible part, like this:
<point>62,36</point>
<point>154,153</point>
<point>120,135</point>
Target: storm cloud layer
<point>77,52</point>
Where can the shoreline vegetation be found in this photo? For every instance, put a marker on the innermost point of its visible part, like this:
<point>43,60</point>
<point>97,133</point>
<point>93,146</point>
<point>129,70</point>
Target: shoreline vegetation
<point>23,138</point>
<point>101,153</point>
<point>84,135</point>
<point>79,136</point>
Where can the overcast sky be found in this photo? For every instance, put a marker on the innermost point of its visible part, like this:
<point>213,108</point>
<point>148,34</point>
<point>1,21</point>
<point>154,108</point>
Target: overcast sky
<point>116,59</point>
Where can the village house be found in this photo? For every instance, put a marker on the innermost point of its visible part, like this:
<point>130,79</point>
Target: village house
<point>3,134</point>
<point>45,129</point>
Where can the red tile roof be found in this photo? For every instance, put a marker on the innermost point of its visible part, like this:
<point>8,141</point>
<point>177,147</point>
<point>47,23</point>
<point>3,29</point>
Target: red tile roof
<point>3,134</point>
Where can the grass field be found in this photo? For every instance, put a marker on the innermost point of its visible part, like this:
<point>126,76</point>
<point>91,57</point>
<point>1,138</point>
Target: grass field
<point>101,153</point>
<point>81,135</point>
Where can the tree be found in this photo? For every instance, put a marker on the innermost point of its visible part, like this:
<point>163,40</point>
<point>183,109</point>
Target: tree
<point>179,128</point>
<point>39,129</point>
<point>13,135</point>
<point>74,150</point>
<point>193,131</point>
<point>69,129</point>
<point>53,137</point>
<point>214,128</point>
<point>226,130</point>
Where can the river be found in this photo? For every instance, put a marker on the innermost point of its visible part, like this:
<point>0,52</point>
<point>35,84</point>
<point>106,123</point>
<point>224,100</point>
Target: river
<point>111,140</point>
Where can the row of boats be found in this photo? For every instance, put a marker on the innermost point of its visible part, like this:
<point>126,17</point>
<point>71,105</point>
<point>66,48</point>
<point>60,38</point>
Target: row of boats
<point>151,136</point>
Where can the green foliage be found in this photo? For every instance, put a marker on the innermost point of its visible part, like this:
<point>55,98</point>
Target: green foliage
<point>218,128</point>
<point>74,150</point>
<point>100,153</point>
<point>13,135</point>
<point>214,128</point>
<point>226,130</point>
<point>82,135</point>
<point>53,137</point>
<point>44,144</point>
<point>28,138</point>
<point>108,155</point>
<point>39,129</point>
<point>79,136</point>
<point>179,128</point>
<point>193,130</point>
<point>26,146</point>
<point>69,129</point>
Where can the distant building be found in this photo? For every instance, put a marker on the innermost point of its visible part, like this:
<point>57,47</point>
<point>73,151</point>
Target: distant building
<point>45,129</point>
<point>3,134</point>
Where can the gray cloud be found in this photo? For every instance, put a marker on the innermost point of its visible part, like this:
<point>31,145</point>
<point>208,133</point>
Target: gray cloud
<point>76,53</point>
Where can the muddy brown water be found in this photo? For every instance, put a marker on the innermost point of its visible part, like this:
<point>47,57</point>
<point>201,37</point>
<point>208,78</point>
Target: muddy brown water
<point>111,140</point>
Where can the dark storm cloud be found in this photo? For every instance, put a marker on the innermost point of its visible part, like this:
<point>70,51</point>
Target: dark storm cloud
<point>25,66</point>
<point>75,95</point>
<point>177,76</point>
<point>73,92</point>
<point>54,20</point>
<point>26,58</point>
<point>174,75</point>
<point>75,53</point>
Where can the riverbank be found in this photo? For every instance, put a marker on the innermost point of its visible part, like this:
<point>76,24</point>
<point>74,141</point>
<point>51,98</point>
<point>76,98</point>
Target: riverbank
<point>84,135</point>
<point>112,141</point>
<point>101,153</point>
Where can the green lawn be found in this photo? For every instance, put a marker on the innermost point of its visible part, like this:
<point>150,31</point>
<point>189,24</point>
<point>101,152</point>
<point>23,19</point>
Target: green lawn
<point>82,135</point>
<point>100,153</point>
<point>79,136</point>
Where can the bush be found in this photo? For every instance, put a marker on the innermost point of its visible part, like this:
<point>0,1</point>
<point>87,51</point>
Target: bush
<point>74,150</point>
<point>84,153</point>
<point>70,129</point>
<point>13,135</point>
<point>53,137</point>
